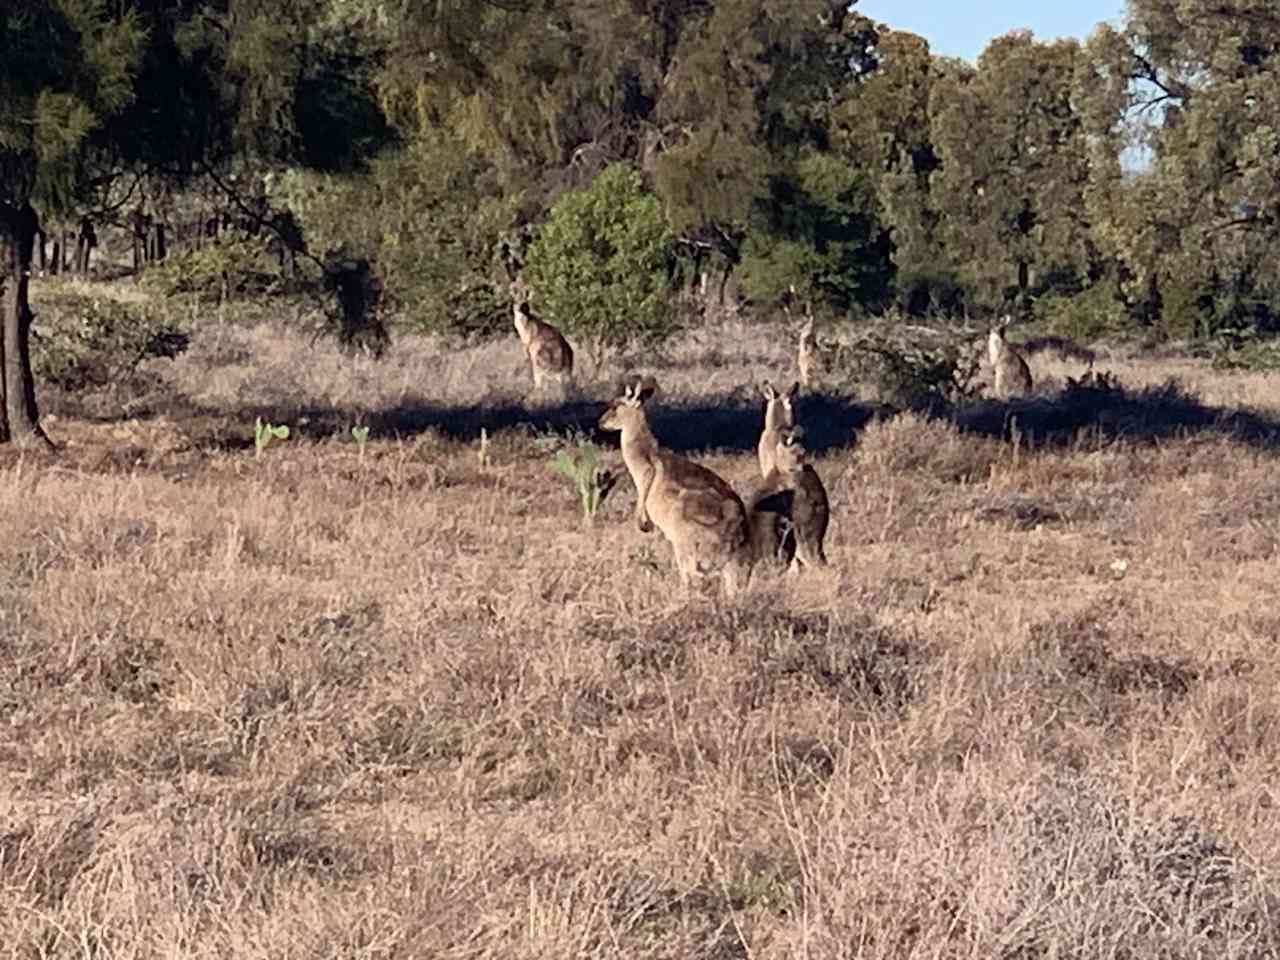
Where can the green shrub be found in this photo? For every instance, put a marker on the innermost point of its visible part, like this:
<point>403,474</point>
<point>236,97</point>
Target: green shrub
<point>80,342</point>
<point>1091,314</point>
<point>229,267</point>
<point>430,215</point>
<point>598,267</point>
<point>1243,349</point>
<point>581,465</point>
<point>1182,311</point>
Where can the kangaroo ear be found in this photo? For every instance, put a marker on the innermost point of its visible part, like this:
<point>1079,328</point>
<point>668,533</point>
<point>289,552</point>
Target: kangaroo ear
<point>795,388</point>
<point>766,388</point>
<point>646,387</point>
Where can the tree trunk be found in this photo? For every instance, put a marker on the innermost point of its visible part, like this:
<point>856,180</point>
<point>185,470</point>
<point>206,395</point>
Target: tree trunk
<point>19,419</point>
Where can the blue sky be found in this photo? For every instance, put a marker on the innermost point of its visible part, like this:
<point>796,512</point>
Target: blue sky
<point>962,28</point>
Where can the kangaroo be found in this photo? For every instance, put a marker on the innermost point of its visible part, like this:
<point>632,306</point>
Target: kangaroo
<point>697,512</point>
<point>779,415</point>
<point>790,511</point>
<point>550,356</point>
<point>1011,373</point>
<point>808,362</point>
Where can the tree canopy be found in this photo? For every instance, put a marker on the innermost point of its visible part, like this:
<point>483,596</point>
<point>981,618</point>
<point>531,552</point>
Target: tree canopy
<point>738,150</point>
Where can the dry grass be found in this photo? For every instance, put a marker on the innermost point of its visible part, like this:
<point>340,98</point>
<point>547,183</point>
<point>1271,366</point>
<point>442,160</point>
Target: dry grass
<point>407,704</point>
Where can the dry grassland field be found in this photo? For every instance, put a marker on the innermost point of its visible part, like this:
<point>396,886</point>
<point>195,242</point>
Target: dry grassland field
<point>399,700</point>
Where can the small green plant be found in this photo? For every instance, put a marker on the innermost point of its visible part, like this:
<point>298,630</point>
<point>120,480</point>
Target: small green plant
<point>264,433</point>
<point>581,464</point>
<point>360,435</point>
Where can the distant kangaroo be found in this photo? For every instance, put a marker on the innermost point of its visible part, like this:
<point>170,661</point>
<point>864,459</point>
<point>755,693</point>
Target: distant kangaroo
<point>779,414</point>
<point>1011,373</point>
<point>698,512</point>
<point>808,362</point>
<point>550,356</point>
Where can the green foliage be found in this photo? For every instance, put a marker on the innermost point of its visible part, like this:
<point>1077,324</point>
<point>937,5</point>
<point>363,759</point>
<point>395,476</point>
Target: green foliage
<point>66,69</point>
<point>598,267</point>
<point>1014,165</point>
<point>1243,349</point>
<point>431,217</point>
<point>264,433</point>
<point>581,465</point>
<point>360,434</point>
<point>80,341</point>
<point>232,266</point>
<point>1182,313</point>
<point>818,232</point>
<point>1088,315</point>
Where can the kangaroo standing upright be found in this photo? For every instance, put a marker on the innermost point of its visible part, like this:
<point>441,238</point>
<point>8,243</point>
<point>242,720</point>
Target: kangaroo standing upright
<point>550,356</point>
<point>1011,374</point>
<point>698,512</point>
<point>779,415</point>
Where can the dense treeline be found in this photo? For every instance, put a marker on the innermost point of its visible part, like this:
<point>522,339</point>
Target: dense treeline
<point>642,160</point>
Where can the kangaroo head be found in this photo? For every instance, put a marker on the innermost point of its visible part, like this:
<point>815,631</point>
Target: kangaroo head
<point>996,343</point>
<point>779,410</point>
<point>628,408</point>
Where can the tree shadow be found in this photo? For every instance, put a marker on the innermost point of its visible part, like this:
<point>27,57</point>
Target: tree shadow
<point>1097,410</point>
<point>730,423</point>
<point>1101,409</point>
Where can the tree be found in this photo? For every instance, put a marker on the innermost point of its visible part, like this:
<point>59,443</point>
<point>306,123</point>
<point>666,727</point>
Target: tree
<point>66,69</point>
<point>694,94</point>
<point>95,93</point>
<point>1198,232</point>
<point>882,126</point>
<point>1014,168</point>
<point>599,266</point>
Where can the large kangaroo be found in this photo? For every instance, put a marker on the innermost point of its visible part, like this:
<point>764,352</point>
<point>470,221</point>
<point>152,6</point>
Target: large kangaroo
<point>698,512</point>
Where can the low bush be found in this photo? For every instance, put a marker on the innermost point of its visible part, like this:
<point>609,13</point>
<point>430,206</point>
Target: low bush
<point>80,341</point>
<point>230,267</point>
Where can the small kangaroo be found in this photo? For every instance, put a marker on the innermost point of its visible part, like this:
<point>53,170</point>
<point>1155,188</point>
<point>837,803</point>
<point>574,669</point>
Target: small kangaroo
<point>550,356</point>
<point>697,512</point>
<point>810,509</point>
<point>790,511</point>
<point>779,415</point>
<point>808,363</point>
<point>1010,370</point>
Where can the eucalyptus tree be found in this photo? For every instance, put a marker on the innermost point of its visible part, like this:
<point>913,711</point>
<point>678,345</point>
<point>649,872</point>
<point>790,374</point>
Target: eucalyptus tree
<point>1198,229</point>
<point>1014,167</point>
<point>67,70</point>
<point>882,126</point>
<point>99,93</point>
<point>690,92</point>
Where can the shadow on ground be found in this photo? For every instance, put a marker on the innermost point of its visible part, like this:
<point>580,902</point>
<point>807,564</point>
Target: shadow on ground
<point>1103,409</point>
<point>1100,410</point>
<point>729,423</point>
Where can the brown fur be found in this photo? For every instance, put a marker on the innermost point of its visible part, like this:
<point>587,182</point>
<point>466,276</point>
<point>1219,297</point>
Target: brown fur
<point>1010,373</point>
<point>808,363</point>
<point>550,356</point>
<point>790,511</point>
<point>700,515</point>
<point>779,415</point>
